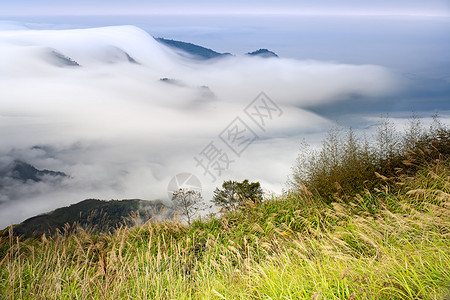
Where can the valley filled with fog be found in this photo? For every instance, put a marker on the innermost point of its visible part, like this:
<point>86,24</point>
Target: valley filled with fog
<point>119,114</point>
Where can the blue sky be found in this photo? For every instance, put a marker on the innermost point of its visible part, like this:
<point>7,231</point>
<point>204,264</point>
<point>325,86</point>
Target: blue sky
<point>410,37</point>
<point>324,7</point>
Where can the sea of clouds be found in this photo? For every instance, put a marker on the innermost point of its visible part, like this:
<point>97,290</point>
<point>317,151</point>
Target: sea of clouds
<point>91,103</point>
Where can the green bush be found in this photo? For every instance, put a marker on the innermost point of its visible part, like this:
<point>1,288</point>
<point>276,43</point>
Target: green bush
<point>236,194</point>
<point>347,165</point>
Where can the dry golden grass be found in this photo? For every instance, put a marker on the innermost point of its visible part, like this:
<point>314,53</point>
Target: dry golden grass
<point>388,238</point>
<point>283,249</point>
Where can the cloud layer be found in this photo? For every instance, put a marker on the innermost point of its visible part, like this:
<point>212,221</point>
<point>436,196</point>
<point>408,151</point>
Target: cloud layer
<point>93,102</point>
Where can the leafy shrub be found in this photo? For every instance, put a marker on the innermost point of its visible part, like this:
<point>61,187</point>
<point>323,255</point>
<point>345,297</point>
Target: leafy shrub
<point>348,164</point>
<point>235,194</point>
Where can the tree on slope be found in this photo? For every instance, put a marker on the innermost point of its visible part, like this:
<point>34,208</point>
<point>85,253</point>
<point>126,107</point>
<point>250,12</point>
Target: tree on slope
<point>234,194</point>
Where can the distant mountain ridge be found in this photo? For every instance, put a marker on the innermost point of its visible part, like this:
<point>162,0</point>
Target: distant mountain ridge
<point>192,49</point>
<point>263,53</point>
<point>92,214</point>
<point>22,171</point>
<point>206,53</point>
<point>95,215</point>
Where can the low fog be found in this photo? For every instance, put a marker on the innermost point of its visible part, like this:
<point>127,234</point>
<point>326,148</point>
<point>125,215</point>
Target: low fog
<point>91,103</point>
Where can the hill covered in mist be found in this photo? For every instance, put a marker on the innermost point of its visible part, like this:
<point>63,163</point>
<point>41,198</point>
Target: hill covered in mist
<point>95,216</point>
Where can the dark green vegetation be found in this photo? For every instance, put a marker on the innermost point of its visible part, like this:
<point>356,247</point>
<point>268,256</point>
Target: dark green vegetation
<point>386,237</point>
<point>348,165</point>
<point>93,215</point>
<point>235,194</point>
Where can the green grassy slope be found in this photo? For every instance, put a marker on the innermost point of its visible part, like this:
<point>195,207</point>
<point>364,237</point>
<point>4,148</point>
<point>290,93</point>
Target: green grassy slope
<point>291,248</point>
<point>385,240</point>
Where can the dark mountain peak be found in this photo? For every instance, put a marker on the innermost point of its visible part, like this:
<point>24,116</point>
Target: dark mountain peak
<point>192,49</point>
<point>203,53</point>
<point>61,60</point>
<point>263,53</point>
<point>23,171</point>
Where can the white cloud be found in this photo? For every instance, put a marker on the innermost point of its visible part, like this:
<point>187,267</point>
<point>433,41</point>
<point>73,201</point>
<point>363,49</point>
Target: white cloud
<point>119,132</point>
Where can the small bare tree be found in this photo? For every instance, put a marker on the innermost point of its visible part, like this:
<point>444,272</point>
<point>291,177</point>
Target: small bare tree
<point>188,202</point>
